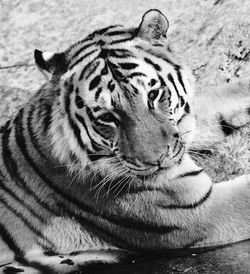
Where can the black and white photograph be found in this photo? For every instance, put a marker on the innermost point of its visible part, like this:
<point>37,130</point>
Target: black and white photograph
<point>125,137</point>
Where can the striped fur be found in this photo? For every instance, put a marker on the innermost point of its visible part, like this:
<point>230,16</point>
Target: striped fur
<point>96,162</point>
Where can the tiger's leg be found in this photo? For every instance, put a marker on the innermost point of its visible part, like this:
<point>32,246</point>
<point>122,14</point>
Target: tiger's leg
<point>39,262</point>
<point>208,214</point>
<point>231,199</point>
<point>227,212</point>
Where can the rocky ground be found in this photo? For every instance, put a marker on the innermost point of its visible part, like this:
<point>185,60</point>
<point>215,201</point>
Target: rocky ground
<point>211,36</point>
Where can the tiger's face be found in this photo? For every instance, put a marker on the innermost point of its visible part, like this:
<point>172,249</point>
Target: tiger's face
<point>126,100</point>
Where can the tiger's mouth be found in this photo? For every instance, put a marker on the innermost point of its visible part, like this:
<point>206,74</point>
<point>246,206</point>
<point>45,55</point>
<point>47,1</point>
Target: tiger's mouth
<point>153,174</point>
<point>146,170</point>
<point>151,171</point>
<point>141,170</point>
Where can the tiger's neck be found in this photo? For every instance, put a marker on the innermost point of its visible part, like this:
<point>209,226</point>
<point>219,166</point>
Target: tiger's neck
<point>28,161</point>
<point>38,138</point>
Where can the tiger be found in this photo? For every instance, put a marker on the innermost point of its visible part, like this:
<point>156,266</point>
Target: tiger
<point>96,164</point>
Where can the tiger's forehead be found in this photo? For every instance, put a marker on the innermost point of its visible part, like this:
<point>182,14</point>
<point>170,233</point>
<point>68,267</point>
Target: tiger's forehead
<point>109,38</point>
<point>112,43</point>
<point>108,71</point>
<point>109,82</point>
<point>111,64</point>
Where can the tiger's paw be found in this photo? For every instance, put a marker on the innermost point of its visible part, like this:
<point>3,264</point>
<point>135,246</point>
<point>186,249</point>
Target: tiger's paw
<point>16,268</point>
<point>65,263</point>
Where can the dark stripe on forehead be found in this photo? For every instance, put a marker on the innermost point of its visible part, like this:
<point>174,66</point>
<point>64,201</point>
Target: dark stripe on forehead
<point>104,53</point>
<point>82,49</point>
<point>104,70</point>
<point>135,74</point>
<point>92,69</point>
<point>121,40</point>
<point>128,66</point>
<point>86,68</point>
<point>79,102</point>
<point>117,75</point>
<point>155,66</point>
<point>95,82</point>
<point>82,58</point>
<point>87,39</point>
<point>120,53</point>
<point>157,55</point>
<point>116,32</point>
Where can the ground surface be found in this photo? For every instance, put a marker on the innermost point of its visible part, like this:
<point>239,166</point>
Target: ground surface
<point>212,37</point>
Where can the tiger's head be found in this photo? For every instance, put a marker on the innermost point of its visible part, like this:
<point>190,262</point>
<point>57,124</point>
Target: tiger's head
<point>124,102</point>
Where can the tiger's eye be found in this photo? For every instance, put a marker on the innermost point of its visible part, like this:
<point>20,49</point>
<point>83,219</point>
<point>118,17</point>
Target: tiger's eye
<point>152,95</point>
<point>108,118</point>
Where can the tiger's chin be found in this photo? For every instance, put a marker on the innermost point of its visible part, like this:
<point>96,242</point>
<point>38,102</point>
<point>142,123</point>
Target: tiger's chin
<point>114,176</point>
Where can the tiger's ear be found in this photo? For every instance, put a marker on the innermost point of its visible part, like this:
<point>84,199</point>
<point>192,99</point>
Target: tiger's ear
<point>51,64</point>
<point>154,26</point>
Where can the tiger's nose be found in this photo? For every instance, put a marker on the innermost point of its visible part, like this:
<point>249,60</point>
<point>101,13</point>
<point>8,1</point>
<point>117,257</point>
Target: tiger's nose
<point>157,162</point>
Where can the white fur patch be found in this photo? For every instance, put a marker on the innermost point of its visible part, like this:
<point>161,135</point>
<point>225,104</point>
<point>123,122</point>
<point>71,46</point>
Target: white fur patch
<point>66,263</point>
<point>47,55</point>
